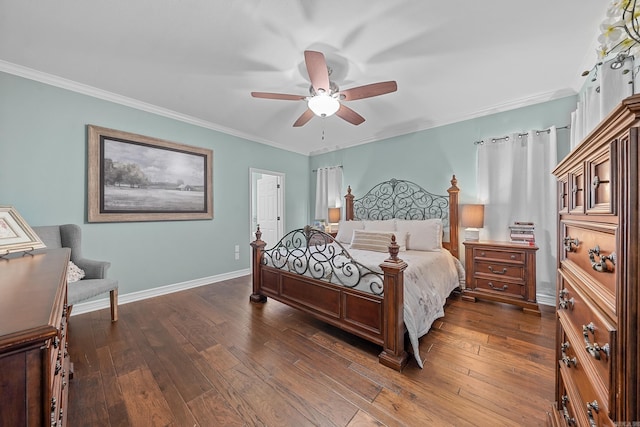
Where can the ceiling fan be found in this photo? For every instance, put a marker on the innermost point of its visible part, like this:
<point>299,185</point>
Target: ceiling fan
<point>325,96</point>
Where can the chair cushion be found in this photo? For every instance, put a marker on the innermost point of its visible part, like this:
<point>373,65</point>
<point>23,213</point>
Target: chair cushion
<point>88,288</point>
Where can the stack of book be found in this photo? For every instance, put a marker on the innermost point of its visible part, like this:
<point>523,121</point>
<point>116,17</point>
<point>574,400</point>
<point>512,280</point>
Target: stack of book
<point>522,232</point>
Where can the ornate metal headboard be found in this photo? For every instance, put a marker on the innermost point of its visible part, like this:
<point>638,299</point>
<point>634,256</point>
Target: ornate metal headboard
<point>407,200</point>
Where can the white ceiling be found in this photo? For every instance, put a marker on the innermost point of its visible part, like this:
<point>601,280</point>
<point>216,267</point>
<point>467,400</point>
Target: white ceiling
<point>198,60</point>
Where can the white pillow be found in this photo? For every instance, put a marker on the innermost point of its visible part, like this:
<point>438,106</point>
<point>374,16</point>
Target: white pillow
<point>74,273</point>
<point>380,225</point>
<point>345,230</point>
<point>422,235</point>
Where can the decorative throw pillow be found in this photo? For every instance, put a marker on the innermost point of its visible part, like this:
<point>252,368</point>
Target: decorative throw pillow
<point>345,230</point>
<point>74,273</point>
<point>422,235</point>
<point>377,241</point>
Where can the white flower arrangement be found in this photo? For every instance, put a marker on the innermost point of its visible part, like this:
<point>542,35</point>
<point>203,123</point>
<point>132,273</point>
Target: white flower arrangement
<point>620,30</point>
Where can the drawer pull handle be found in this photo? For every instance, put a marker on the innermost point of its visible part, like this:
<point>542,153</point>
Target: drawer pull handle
<point>504,287</point>
<point>513,257</point>
<point>504,270</point>
<point>566,359</point>
<point>591,408</point>
<point>568,241</point>
<point>601,265</point>
<point>594,349</point>
<point>570,421</point>
<point>563,302</point>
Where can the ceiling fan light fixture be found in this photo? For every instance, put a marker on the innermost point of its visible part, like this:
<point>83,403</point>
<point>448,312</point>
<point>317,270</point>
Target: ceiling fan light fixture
<point>323,105</point>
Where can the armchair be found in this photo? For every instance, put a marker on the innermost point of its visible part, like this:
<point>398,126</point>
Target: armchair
<point>95,281</point>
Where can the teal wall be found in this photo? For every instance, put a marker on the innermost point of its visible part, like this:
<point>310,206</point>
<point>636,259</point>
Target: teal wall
<point>43,175</point>
<point>432,156</point>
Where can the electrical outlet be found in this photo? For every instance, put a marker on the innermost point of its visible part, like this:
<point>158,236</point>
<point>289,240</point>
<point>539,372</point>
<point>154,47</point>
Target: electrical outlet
<point>237,256</point>
<point>237,248</point>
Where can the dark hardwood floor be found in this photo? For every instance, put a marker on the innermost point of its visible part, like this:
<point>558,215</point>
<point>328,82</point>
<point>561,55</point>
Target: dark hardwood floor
<point>209,357</point>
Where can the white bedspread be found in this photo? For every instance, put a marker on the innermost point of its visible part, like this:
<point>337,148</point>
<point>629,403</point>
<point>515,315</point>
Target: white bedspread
<point>428,280</point>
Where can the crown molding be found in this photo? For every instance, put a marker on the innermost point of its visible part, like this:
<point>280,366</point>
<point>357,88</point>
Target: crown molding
<point>61,82</point>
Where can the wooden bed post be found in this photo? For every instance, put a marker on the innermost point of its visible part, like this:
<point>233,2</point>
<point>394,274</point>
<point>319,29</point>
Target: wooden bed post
<point>258,246</point>
<point>454,228</point>
<point>348,205</point>
<point>393,353</point>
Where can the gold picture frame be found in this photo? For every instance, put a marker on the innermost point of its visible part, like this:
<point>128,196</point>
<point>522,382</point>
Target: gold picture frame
<point>139,178</point>
<point>15,233</point>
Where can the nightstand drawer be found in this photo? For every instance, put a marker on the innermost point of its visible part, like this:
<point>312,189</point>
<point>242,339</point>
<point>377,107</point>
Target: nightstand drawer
<point>499,270</point>
<point>507,255</point>
<point>502,288</point>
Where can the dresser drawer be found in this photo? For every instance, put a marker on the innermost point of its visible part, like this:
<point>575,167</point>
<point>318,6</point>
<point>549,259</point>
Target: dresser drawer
<point>589,249</point>
<point>498,254</point>
<point>600,180</point>
<point>591,337</point>
<point>499,270</point>
<point>579,401</point>
<point>565,406</point>
<point>507,289</point>
<point>576,190</point>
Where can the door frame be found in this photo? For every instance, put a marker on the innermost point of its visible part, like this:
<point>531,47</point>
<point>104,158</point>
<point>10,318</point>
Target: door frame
<point>253,199</point>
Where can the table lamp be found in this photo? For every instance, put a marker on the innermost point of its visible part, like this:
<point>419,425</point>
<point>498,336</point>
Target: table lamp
<point>334,218</point>
<point>472,218</point>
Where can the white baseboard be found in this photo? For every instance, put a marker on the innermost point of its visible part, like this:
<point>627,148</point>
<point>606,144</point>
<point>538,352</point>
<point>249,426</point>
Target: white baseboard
<point>89,306</point>
<point>546,300</point>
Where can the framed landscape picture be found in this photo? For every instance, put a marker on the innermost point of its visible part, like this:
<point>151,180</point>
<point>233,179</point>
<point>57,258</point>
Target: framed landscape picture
<point>138,178</point>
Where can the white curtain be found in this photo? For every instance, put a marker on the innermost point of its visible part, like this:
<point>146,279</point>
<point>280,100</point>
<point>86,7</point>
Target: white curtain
<point>328,190</point>
<point>604,90</point>
<point>515,184</point>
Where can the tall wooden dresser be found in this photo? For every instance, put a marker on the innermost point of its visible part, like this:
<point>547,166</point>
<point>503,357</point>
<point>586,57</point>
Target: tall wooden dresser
<point>34,362</point>
<point>597,373</point>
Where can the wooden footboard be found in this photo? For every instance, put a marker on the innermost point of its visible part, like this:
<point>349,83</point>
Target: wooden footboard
<point>376,318</point>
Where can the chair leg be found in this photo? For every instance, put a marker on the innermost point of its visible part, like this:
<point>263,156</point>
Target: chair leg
<point>113,296</point>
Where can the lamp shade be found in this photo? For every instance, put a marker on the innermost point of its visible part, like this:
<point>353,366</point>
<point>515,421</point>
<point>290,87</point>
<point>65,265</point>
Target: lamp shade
<point>334,215</point>
<point>472,216</point>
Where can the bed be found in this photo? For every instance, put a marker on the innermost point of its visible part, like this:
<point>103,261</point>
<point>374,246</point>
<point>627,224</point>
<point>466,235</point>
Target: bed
<point>385,275</point>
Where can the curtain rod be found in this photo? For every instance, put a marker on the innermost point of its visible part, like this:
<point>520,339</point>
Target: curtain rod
<point>520,135</point>
<point>328,167</point>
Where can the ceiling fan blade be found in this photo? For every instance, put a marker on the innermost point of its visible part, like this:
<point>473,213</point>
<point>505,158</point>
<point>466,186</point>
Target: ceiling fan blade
<point>304,118</point>
<point>317,69</point>
<point>367,91</point>
<point>283,96</point>
<point>349,115</point>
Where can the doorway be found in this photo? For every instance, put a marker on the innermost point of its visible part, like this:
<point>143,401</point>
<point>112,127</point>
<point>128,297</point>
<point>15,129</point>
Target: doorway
<point>267,205</point>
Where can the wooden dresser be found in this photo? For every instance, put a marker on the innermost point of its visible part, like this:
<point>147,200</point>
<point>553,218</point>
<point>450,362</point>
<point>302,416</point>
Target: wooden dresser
<point>34,362</point>
<point>501,271</point>
<point>597,377</point>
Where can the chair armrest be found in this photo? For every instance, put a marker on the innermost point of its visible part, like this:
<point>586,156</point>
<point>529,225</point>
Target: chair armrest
<point>93,269</point>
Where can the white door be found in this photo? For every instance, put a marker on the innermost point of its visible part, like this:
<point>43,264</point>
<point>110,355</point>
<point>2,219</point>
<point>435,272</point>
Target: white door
<point>267,205</point>
<point>267,208</point>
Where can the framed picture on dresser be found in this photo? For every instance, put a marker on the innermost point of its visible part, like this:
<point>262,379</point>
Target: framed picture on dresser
<point>15,233</point>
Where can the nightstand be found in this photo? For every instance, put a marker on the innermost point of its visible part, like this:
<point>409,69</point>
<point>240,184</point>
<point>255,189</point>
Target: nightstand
<point>501,271</point>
